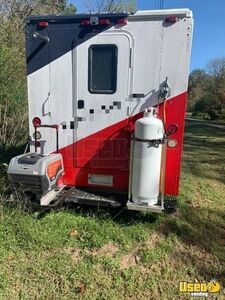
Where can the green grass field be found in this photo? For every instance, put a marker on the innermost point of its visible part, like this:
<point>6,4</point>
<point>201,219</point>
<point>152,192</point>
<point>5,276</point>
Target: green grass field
<point>89,254</point>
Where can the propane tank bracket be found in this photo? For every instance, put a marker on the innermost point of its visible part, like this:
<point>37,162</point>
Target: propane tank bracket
<point>152,143</point>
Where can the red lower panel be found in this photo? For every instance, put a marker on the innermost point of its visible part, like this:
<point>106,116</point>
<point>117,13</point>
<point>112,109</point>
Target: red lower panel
<point>107,151</point>
<point>175,114</point>
<point>79,177</point>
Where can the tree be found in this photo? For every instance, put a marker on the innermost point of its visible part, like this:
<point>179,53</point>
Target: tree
<point>216,69</point>
<point>110,5</point>
<point>13,91</point>
<point>21,9</point>
<point>205,106</point>
<point>199,81</point>
<point>207,89</point>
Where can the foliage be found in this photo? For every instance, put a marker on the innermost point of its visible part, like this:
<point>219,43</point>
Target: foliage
<point>13,127</point>
<point>198,79</point>
<point>207,89</point>
<point>13,94</point>
<point>4,184</point>
<point>110,5</point>
<point>216,69</point>
<point>13,90</point>
<point>21,9</point>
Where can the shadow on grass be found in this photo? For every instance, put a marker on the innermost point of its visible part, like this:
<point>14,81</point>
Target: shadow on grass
<point>205,229</point>
<point>202,227</point>
<point>120,215</point>
<point>205,145</point>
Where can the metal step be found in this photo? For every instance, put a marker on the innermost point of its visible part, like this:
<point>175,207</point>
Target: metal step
<point>98,198</point>
<point>170,204</point>
<point>55,198</point>
<point>62,197</point>
<point>49,197</point>
<point>144,207</point>
<point>90,197</point>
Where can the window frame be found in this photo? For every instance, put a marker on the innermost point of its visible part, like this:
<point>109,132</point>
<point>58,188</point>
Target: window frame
<point>90,63</point>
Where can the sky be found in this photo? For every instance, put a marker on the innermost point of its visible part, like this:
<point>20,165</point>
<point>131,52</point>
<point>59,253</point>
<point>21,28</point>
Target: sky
<point>209,27</point>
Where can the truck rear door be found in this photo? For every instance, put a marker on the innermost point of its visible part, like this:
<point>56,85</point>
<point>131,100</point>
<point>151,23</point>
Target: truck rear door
<point>102,73</point>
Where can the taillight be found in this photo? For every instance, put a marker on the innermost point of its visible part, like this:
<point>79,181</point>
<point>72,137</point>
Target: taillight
<point>36,122</point>
<point>122,21</point>
<point>37,135</point>
<point>171,129</point>
<point>172,143</point>
<point>85,22</point>
<point>104,22</point>
<point>95,21</point>
<point>43,24</point>
<point>172,19</point>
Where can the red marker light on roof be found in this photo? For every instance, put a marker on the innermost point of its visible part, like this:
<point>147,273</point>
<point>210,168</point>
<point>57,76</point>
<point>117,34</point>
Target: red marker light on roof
<point>172,19</point>
<point>36,122</point>
<point>104,22</point>
<point>43,24</point>
<point>122,21</point>
<point>85,22</point>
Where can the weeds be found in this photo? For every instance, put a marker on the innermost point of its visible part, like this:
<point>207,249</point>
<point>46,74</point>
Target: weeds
<point>12,132</point>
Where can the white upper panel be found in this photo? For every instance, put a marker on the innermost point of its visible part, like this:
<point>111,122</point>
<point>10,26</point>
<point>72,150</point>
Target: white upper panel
<point>149,51</point>
<point>164,12</point>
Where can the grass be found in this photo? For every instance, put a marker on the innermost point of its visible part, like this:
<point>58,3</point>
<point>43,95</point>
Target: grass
<point>86,253</point>
<point>220,120</point>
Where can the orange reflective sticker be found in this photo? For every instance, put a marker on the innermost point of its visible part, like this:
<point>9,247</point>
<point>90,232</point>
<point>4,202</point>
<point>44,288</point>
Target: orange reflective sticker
<point>53,168</point>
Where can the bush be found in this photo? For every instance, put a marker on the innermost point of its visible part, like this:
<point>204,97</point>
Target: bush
<point>4,185</point>
<point>13,96</point>
<point>204,107</point>
<point>13,128</point>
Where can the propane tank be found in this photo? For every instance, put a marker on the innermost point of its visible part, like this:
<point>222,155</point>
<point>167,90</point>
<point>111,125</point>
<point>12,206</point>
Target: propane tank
<point>146,158</point>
